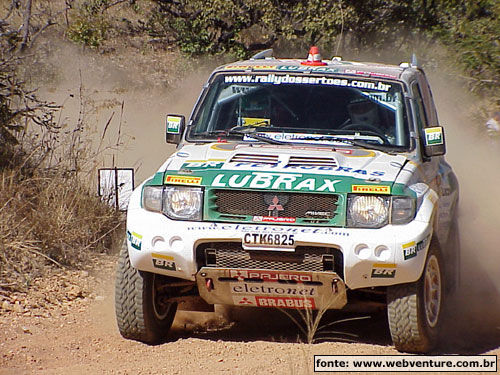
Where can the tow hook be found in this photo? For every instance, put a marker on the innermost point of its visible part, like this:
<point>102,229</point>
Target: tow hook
<point>335,287</point>
<point>210,284</point>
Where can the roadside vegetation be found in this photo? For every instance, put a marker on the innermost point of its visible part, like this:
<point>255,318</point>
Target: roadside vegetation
<point>49,213</point>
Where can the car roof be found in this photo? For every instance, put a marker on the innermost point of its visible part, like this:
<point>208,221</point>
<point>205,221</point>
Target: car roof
<point>335,66</point>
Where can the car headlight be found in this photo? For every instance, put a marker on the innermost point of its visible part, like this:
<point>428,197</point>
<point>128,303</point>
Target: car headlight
<point>182,202</point>
<point>403,210</point>
<point>368,211</point>
<point>176,202</point>
<point>373,211</point>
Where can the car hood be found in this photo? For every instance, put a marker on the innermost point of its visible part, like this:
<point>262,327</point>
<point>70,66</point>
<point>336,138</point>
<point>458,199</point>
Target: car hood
<point>283,167</point>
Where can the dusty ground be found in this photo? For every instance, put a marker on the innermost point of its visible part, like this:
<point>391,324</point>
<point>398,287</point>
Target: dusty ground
<point>66,326</point>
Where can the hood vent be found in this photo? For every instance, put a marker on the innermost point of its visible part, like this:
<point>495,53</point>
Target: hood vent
<point>297,161</point>
<point>255,158</point>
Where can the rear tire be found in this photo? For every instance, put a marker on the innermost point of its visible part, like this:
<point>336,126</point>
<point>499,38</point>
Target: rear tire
<point>415,309</point>
<point>140,313</point>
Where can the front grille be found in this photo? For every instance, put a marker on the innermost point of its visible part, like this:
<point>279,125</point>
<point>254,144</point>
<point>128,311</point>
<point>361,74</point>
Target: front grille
<point>304,258</point>
<point>255,203</point>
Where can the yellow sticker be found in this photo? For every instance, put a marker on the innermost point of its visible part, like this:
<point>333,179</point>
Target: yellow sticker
<point>161,256</point>
<point>372,189</point>
<point>384,265</point>
<point>183,180</point>
<point>409,244</point>
<point>255,121</point>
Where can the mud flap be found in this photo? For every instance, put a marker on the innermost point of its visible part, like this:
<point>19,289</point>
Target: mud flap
<point>261,288</point>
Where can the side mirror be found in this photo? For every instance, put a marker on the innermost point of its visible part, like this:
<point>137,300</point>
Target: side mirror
<point>175,128</point>
<point>433,141</point>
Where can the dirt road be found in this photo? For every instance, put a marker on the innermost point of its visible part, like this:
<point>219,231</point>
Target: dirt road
<point>66,326</point>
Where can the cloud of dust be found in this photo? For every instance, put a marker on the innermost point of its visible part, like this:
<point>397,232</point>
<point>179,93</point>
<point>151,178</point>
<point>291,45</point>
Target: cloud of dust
<point>120,106</point>
<point>476,161</point>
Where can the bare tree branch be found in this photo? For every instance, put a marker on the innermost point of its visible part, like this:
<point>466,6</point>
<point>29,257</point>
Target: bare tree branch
<point>26,25</point>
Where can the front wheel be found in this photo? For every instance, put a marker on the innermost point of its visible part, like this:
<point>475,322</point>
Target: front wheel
<point>141,313</point>
<point>415,309</point>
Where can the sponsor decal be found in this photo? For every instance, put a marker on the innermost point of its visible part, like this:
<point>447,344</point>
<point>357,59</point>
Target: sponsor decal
<point>341,170</point>
<point>285,302</point>
<point>308,80</point>
<point>244,301</point>
<point>371,189</point>
<point>267,229</point>
<point>319,214</point>
<point>163,262</point>
<point>411,249</point>
<point>255,121</point>
<point>270,275</point>
<point>208,164</point>
<point>135,240</point>
<point>225,146</point>
<point>263,180</point>
<point>433,136</point>
<point>419,188</point>
<point>383,270</point>
<point>273,289</point>
<point>173,124</point>
<point>250,67</point>
<point>183,180</point>
<point>272,219</point>
<point>295,68</point>
<point>370,74</point>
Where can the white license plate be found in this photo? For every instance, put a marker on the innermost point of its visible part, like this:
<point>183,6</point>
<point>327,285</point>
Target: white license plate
<point>271,241</point>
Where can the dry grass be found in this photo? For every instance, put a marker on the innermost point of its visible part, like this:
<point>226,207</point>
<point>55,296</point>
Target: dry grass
<point>308,321</point>
<point>50,214</point>
<point>49,220</point>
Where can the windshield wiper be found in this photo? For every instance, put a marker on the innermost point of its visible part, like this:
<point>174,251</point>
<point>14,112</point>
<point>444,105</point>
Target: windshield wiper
<point>352,142</point>
<point>251,132</point>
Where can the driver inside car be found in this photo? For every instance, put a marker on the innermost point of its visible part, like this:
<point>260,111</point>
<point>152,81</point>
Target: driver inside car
<point>366,114</point>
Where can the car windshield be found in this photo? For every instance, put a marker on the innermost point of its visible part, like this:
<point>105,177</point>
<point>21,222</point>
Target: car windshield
<point>295,108</point>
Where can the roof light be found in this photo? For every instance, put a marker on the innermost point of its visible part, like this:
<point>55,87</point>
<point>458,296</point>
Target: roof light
<point>314,58</point>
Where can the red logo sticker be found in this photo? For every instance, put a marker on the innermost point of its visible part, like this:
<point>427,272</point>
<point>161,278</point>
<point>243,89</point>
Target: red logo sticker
<point>272,219</point>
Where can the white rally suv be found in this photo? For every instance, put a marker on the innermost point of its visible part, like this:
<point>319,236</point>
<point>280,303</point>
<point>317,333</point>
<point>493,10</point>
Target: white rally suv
<point>301,184</point>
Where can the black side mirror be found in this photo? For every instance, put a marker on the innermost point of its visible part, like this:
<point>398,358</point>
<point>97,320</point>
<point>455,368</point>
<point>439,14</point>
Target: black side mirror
<point>433,143</point>
<point>175,128</point>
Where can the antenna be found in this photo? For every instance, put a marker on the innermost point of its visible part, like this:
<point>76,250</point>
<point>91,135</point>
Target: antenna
<point>414,61</point>
<point>262,54</point>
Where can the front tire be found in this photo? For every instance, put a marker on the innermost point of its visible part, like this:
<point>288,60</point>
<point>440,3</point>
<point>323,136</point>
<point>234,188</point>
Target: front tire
<point>415,309</point>
<point>140,313</point>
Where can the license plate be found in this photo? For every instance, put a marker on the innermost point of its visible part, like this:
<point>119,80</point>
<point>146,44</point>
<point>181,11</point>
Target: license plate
<point>269,241</point>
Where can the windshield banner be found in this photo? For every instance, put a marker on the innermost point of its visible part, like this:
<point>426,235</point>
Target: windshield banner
<point>277,79</point>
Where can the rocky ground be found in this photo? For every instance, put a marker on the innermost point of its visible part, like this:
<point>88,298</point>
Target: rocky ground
<point>65,325</point>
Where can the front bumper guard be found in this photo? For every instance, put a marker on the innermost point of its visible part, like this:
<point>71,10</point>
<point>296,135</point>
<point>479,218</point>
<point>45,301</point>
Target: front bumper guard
<point>266,288</point>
